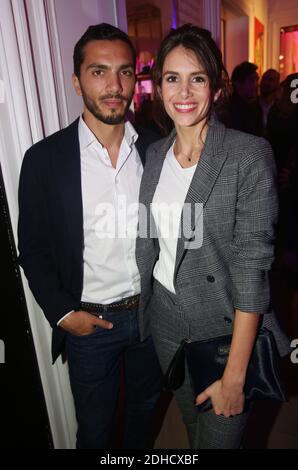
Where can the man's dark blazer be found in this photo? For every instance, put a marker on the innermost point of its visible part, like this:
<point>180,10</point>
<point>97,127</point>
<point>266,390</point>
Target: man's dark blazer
<point>50,229</point>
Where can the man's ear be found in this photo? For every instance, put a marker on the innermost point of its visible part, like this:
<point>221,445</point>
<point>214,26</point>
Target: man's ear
<point>216,96</point>
<point>76,84</point>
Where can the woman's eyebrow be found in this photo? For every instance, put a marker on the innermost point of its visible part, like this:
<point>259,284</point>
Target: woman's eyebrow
<point>198,72</point>
<point>167,72</point>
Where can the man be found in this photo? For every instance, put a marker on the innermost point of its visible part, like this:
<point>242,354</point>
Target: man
<point>81,268</point>
<point>245,112</point>
<point>269,91</point>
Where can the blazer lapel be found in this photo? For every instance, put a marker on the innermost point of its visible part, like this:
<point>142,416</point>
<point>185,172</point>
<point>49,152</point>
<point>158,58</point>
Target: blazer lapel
<point>205,176</point>
<point>69,174</point>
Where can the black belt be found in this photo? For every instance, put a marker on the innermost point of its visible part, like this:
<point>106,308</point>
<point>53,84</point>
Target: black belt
<point>124,304</point>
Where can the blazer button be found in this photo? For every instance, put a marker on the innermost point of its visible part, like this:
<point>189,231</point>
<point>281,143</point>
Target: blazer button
<point>227,320</point>
<point>210,278</point>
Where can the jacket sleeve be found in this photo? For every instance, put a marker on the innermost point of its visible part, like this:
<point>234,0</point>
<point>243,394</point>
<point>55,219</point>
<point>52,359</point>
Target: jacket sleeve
<point>36,254</point>
<point>256,217</point>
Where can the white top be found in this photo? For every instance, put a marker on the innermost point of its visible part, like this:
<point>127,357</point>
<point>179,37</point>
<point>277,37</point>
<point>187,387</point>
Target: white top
<point>167,206</point>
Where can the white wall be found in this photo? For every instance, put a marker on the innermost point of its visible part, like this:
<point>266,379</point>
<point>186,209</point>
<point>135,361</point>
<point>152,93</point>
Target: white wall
<point>237,43</point>
<point>73,18</point>
<point>274,14</point>
<point>281,13</point>
<point>248,9</point>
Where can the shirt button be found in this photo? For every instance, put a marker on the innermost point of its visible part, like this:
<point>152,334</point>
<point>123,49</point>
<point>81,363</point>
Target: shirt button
<point>210,278</point>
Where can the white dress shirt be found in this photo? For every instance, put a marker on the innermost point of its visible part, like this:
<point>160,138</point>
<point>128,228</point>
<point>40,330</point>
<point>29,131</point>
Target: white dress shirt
<point>110,213</point>
<point>167,207</point>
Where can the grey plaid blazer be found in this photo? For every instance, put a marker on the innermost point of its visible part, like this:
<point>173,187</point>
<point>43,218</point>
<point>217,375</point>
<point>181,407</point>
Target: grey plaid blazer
<point>235,182</point>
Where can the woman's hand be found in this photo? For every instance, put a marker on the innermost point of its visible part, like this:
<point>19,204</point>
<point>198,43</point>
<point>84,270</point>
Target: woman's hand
<point>227,398</point>
<point>226,394</point>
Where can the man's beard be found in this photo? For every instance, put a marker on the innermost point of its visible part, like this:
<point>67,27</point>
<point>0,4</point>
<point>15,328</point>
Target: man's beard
<point>115,117</point>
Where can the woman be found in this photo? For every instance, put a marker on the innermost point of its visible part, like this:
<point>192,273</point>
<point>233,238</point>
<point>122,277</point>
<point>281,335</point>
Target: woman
<point>205,274</point>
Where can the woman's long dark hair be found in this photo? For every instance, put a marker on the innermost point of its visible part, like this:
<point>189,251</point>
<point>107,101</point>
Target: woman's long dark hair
<point>200,42</point>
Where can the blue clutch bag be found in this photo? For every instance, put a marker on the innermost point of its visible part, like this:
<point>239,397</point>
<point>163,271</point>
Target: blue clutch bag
<point>207,359</point>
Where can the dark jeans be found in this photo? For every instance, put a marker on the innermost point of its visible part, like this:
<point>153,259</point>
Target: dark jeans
<point>94,368</point>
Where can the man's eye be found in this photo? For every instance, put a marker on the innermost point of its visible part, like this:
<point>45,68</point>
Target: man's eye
<point>97,73</point>
<point>127,73</point>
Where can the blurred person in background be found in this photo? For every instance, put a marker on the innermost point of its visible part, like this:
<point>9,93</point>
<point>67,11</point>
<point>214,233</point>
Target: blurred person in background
<point>245,113</point>
<point>269,94</point>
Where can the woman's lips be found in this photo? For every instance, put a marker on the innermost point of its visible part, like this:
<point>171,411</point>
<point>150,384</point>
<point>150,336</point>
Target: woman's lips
<point>185,107</point>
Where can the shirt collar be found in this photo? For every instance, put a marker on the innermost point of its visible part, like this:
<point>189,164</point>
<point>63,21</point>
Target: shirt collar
<point>86,136</point>
<point>130,134</point>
